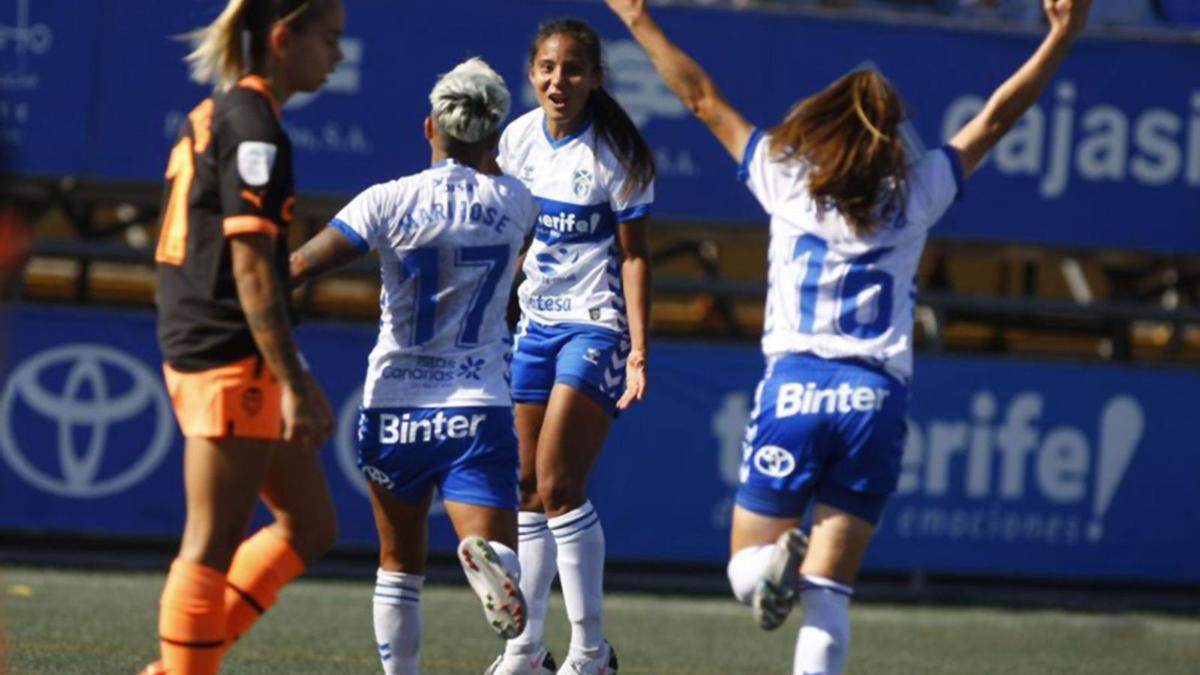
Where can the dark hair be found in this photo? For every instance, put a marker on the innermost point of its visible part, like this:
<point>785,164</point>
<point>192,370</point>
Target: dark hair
<point>613,125</point>
<point>849,134</point>
<point>217,55</point>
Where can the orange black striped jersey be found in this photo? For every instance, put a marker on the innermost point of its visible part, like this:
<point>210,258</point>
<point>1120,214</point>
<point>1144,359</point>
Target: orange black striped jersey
<point>229,174</point>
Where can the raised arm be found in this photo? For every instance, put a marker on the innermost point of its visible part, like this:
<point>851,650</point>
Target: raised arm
<point>686,78</point>
<point>1010,101</point>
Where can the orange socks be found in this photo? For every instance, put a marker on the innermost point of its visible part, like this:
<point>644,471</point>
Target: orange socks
<point>191,621</point>
<point>203,612</point>
<point>262,565</point>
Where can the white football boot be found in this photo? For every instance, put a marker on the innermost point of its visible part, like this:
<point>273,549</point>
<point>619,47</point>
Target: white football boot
<point>604,664</point>
<point>776,593</point>
<point>498,591</point>
<point>537,662</point>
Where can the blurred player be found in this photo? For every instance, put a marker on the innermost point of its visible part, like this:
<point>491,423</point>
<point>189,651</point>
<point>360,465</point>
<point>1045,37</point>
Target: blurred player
<point>849,216</point>
<point>581,345</point>
<point>437,409</point>
<point>252,416</point>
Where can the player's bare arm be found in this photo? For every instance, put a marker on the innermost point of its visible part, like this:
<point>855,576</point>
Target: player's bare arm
<point>327,251</point>
<point>686,78</point>
<point>1010,101</point>
<point>306,414</point>
<point>635,277</point>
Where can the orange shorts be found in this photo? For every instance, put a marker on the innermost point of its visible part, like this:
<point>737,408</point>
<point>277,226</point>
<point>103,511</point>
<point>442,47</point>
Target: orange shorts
<point>239,400</point>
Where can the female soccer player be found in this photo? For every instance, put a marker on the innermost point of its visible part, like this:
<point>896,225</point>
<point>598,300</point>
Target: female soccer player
<point>581,346</point>
<point>252,416</point>
<point>437,409</point>
<point>849,216</point>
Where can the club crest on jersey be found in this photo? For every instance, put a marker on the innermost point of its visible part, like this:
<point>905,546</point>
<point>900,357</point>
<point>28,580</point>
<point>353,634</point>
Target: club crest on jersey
<point>594,313</point>
<point>583,182</point>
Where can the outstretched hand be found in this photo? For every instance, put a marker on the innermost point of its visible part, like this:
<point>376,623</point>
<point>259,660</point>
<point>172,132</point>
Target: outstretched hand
<point>627,10</point>
<point>1069,16</point>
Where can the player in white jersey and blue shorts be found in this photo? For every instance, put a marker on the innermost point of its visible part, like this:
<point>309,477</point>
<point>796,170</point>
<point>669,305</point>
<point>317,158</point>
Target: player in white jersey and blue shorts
<point>437,408</point>
<point>580,351</point>
<point>850,209</point>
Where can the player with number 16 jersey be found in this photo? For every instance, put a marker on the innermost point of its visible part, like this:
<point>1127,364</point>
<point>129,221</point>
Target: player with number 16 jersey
<point>850,203</point>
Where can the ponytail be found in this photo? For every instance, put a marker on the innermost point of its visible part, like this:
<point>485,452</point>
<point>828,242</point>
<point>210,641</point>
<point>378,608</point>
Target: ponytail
<point>613,125</point>
<point>218,54</point>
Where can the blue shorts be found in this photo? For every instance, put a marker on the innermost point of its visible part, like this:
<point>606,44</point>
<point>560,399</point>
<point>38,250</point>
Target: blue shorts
<point>827,430</point>
<point>470,454</point>
<point>588,358</point>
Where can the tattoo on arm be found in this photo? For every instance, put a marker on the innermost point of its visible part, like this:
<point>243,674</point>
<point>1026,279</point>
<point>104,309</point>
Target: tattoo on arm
<point>272,329</point>
<point>326,251</point>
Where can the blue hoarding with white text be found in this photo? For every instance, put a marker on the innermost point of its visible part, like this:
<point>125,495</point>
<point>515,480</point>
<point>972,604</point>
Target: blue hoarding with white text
<point>1011,468</point>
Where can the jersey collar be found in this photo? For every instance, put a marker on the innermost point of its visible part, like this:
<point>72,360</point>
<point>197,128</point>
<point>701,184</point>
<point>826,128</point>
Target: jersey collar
<point>556,144</point>
<point>257,83</point>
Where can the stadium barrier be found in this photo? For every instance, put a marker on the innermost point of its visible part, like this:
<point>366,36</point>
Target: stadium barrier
<point>1012,468</point>
<point>1108,158</point>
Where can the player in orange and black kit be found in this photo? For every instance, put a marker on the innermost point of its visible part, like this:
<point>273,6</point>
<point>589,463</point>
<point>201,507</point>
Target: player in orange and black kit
<point>251,415</point>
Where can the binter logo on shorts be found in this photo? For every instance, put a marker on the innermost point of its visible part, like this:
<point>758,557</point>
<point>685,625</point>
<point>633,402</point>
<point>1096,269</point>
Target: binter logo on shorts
<point>807,399</point>
<point>403,429</point>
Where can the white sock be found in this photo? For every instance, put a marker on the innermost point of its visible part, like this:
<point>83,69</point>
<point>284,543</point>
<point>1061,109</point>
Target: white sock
<point>538,557</point>
<point>508,559</point>
<point>580,541</point>
<point>824,639</point>
<point>398,621</point>
<point>746,568</point>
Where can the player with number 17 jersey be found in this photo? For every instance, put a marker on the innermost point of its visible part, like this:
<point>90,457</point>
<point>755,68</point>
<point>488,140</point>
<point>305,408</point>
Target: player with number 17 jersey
<point>448,240</point>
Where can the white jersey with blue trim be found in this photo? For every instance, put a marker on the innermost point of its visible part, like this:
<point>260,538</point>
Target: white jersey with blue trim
<point>448,240</point>
<point>573,268</point>
<point>833,293</point>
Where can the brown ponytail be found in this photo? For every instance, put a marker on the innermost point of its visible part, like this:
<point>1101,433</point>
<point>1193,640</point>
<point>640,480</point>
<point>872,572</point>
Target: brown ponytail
<point>613,125</point>
<point>849,134</point>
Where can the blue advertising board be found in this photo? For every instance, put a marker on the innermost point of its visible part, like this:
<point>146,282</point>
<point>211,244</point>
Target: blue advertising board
<point>1011,468</point>
<point>1108,157</point>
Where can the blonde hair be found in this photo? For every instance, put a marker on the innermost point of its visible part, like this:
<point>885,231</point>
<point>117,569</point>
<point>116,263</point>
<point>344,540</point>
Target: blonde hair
<point>469,102</point>
<point>219,54</point>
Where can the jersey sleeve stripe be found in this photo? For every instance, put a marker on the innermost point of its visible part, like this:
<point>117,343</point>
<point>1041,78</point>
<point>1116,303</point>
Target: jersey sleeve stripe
<point>957,168</point>
<point>235,225</point>
<point>744,168</point>
<point>354,237</point>
<point>626,215</point>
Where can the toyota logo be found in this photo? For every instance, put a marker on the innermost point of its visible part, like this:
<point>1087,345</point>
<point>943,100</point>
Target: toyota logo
<point>774,461</point>
<point>87,400</point>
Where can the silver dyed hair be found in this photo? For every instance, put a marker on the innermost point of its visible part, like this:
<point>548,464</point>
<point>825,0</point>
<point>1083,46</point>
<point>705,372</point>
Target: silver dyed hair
<point>469,102</point>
